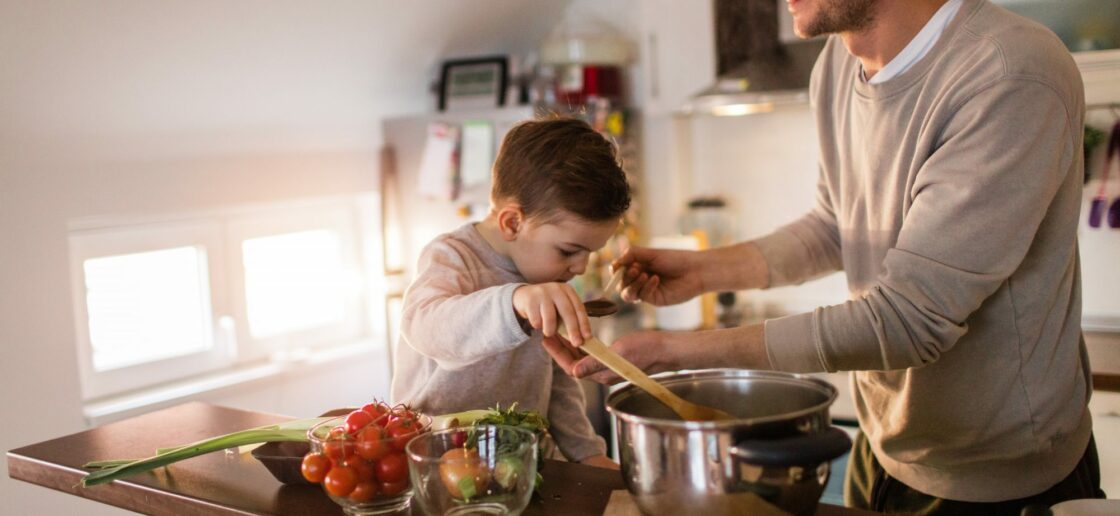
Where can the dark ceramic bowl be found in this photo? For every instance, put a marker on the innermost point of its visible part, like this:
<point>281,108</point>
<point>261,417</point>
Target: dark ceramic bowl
<point>283,459</point>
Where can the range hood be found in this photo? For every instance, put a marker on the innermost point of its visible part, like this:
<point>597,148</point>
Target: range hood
<point>756,71</point>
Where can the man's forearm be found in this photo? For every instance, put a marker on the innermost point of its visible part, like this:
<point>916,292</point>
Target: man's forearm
<point>734,267</point>
<point>742,347</point>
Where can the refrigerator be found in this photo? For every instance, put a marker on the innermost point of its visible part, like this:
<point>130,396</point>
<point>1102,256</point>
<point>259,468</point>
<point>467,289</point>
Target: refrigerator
<point>411,215</point>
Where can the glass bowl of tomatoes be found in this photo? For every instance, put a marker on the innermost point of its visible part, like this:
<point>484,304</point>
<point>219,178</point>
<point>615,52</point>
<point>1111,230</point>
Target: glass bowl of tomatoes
<point>360,460</point>
<point>482,469</point>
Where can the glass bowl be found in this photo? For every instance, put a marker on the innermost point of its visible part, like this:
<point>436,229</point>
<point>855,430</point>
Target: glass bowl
<point>376,460</point>
<point>485,469</point>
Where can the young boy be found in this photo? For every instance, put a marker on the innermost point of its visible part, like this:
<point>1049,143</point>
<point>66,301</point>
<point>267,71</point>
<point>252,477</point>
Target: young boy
<point>486,293</point>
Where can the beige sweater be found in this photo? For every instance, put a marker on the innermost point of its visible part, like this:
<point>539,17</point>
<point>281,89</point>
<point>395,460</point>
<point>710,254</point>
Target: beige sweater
<point>462,347</point>
<point>949,196</point>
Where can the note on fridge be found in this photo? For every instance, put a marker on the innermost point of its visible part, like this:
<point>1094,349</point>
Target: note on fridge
<point>439,165</point>
<point>476,154</point>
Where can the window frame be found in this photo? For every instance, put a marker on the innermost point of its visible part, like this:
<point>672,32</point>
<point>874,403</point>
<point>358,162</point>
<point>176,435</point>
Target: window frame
<point>221,232</point>
<point>100,243</point>
<point>285,220</point>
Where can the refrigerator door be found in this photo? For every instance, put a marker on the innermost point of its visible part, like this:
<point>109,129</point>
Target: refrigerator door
<point>411,219</point>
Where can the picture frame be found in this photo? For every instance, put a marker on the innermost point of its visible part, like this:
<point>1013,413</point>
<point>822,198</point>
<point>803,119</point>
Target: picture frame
<point>474,83</point>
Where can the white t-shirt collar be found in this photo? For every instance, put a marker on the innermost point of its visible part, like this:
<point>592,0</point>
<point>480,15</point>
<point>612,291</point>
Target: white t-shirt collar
<point>919,46</point>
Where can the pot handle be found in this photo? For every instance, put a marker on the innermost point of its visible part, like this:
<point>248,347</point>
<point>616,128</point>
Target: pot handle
<point>799,450</point>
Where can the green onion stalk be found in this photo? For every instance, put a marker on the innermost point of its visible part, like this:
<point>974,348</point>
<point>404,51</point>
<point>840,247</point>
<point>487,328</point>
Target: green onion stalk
<point>110,470</point>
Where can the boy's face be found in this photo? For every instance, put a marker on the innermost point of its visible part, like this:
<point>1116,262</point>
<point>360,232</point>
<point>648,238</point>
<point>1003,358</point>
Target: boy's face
<point>557,250</point>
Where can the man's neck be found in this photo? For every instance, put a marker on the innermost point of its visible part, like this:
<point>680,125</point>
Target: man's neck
<point>895,24</point>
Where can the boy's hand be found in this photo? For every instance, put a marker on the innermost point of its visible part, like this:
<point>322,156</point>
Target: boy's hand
<point>539,304</point>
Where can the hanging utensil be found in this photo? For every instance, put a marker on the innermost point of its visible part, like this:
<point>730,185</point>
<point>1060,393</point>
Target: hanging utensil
<point>1114,152</point>
<point>1099,205</point>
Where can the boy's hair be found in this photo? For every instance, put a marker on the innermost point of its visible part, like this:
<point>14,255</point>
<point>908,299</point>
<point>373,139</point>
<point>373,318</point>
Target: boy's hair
<point>560,163</point>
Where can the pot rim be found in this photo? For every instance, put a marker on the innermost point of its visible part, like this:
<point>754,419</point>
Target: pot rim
<point>671,377</point>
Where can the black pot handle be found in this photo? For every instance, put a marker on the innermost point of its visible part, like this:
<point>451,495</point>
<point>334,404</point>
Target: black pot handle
<point>799,450</point>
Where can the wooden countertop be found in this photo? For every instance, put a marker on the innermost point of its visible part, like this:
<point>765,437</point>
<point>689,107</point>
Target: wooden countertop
<point>228,483</point>
<point>1104,358</point>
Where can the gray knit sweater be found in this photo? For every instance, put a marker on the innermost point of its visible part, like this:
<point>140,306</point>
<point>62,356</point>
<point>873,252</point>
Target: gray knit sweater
<point>949,196</point>
<point>462,347</point>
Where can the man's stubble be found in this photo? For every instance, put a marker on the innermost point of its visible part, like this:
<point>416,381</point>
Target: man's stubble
<point>836,16</point>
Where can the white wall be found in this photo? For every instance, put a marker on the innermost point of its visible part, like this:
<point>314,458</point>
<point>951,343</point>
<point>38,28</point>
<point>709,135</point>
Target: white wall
<point>131,107</point>
<point>765,166</point>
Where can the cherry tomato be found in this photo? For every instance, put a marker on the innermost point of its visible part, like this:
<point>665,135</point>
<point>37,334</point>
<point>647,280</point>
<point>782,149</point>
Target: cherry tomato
<point>338,445</point>
<point>372,444</point>
<point>357,420</point>
<point>363,468</point>
<point>378,411</point>
<point>403,414</point>
<point>394,488</point>
<point>401,431</point>
<point>315,467</point>
<point>340,481</point>
<point>364,491</point>
<point>391,468</point>
<point>458,439</point>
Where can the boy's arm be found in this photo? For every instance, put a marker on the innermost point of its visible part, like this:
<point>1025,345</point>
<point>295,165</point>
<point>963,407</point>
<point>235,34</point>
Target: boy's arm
<point>447,320</point>
<point>568,421</point>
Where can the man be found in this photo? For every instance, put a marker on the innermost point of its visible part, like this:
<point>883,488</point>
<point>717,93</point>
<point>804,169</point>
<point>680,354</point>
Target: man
<point>949,193</point>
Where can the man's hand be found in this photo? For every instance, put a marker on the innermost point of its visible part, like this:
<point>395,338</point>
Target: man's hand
<point>660,276</point>
<point>650,351</point>
<point>539,304</point>
<point>564,353</point>
<point>657,351</point>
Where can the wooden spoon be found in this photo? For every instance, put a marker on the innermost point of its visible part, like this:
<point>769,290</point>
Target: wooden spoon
<point>687,410</point>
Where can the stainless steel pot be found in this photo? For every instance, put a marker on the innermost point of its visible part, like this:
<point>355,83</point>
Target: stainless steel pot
<point>774,458</point>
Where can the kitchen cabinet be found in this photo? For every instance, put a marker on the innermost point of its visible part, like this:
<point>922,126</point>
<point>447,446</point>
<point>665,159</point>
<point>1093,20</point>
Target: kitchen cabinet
<point>677,59</point>
<point>1082,24</point>
<point>677,53</point>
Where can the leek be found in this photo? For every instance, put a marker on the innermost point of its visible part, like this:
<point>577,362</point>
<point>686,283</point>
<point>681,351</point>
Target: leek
<point>114,469</point>
<point>465,418</point>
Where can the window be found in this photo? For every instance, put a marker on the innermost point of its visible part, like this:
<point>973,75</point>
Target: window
<point>161,300</point>
<point>299,278</point>
<point>294,281</point>
<point>147,306</point>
